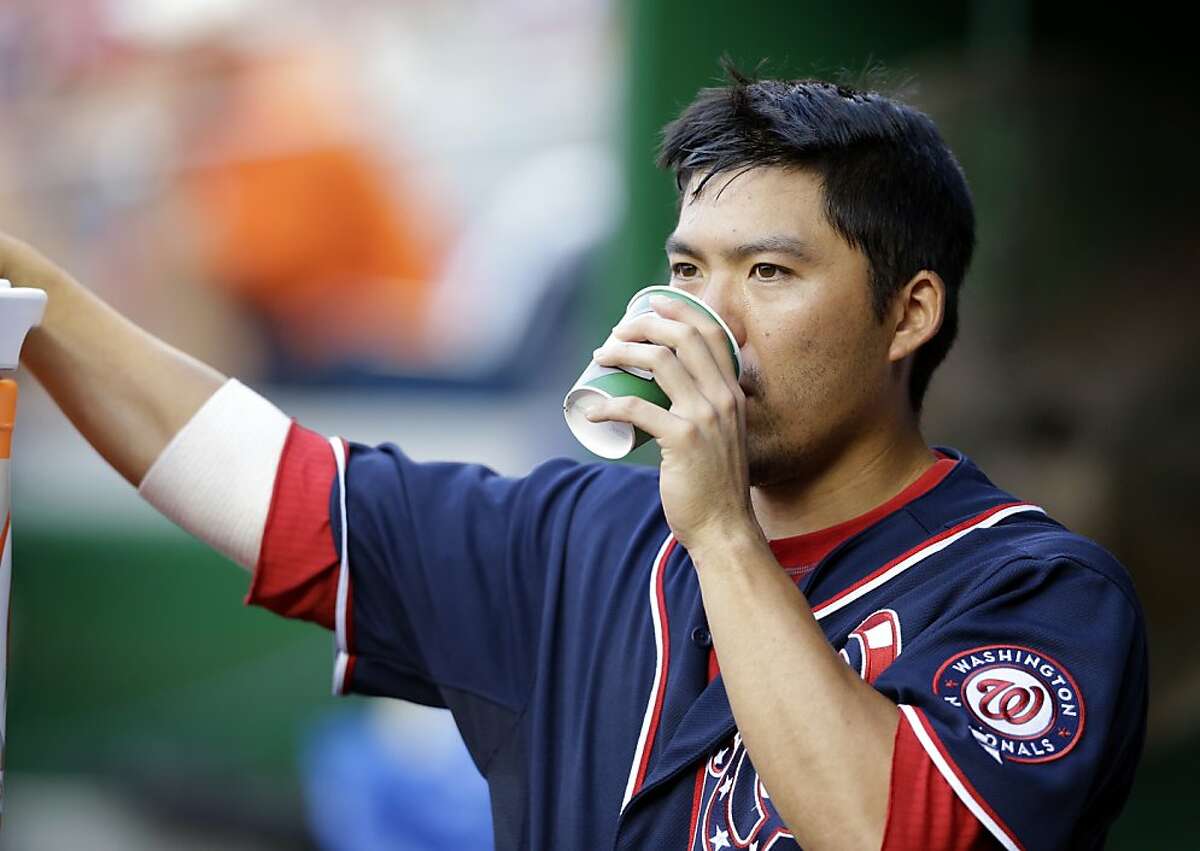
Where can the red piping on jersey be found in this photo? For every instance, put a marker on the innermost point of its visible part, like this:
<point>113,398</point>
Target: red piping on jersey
<point>819,610</point>
<point>806,550</point>
<point>664,666</point>
<point>979,800</point>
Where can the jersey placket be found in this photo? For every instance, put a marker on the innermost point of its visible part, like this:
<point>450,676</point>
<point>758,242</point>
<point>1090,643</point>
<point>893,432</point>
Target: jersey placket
<point>695,715</point>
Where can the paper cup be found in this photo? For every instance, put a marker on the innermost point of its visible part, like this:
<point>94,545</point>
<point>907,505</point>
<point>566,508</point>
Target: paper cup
<point>615,440</point>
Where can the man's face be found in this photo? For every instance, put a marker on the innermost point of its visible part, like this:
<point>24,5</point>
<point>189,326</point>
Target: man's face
<point>797,298</point>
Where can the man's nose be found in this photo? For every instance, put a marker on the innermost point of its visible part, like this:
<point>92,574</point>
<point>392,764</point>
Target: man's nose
<point>728,299</point>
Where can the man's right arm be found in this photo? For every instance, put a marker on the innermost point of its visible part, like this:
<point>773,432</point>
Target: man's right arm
<point>433,575</point>
<point>127,392</point>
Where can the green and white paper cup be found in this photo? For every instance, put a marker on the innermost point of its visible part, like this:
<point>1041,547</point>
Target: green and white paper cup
<point>615,440</point>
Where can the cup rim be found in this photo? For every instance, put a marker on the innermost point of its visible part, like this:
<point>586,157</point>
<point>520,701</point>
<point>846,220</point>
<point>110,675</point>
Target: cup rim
<point>591,434</point>
<point>737,352</point>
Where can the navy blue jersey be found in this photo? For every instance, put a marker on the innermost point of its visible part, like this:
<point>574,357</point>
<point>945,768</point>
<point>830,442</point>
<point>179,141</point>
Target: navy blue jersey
<point>557,618</point>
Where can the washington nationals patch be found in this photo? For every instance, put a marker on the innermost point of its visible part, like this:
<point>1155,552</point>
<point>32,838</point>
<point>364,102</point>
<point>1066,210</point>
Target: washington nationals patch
<point>1023,706</point>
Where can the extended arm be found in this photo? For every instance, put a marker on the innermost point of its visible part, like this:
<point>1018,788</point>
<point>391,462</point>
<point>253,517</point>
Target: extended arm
<point>126,391</point>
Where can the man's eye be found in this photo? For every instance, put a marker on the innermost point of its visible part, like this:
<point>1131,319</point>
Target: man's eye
<point>684,270</point>
<point>767,271</point>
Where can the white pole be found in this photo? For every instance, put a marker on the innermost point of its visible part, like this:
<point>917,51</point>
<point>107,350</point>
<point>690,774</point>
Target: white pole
<point>20,310</point>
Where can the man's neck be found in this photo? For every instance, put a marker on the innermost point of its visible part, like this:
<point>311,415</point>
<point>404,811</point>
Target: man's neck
<point>866,474</point>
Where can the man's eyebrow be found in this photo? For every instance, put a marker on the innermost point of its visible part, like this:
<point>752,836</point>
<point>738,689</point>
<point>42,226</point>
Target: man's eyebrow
<point>675,245</point>
<point>766,245</point>
<point>774,245</point>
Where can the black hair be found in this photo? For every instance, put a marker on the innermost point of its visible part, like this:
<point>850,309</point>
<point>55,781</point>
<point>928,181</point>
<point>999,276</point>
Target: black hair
<point>892,188</point>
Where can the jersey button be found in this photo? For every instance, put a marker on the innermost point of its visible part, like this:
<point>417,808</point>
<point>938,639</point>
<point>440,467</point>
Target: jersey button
<point>701,636</point>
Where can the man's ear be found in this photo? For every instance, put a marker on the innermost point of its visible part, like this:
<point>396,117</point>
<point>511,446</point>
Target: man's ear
<point>916,313</point>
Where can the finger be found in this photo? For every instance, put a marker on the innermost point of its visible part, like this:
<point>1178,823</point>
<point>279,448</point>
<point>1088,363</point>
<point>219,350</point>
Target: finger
<point>713,333</point>
<point>669,372</point>
<point>687,343</point>
<point>659,424</point>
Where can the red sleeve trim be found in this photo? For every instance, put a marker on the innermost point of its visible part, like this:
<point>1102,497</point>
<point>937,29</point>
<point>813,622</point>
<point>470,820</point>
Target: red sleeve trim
<point>297,571</point>
<point>924,813</point>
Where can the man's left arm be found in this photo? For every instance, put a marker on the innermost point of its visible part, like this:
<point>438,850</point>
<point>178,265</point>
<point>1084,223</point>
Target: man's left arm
<point>821,739</point>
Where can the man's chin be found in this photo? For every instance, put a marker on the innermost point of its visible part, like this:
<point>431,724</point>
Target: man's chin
<point>761,477</point>
<point>764,471</point>
<point>774,464</point>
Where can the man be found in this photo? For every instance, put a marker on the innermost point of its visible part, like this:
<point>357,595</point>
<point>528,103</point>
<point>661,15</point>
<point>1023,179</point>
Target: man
<point>807,628</point>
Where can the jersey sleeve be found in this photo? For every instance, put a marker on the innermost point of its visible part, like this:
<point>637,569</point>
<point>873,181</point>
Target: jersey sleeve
<point>296,573</point>
<point>433,575</point>
<point>446,568</point>
<point>1029,699</point>
<point>924,814</point>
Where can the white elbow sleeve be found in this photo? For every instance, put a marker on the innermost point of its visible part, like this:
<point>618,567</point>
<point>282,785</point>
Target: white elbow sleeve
<point>216,476</point>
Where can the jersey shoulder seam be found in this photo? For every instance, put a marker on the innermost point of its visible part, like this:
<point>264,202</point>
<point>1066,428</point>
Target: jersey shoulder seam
<point>1025,555</point>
